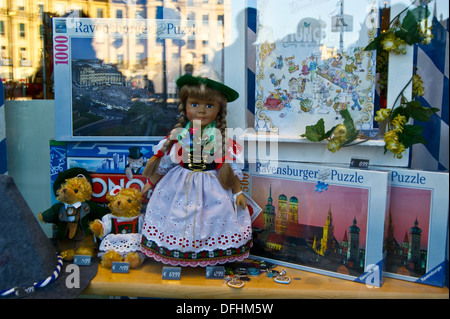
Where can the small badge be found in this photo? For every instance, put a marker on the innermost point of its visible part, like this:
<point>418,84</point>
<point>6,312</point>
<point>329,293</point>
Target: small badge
<point>235,282</point>
<point>282,278</point>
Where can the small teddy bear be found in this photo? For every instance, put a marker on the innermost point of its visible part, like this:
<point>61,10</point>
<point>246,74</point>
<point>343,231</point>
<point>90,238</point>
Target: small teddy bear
<point>120,230</point>
<point>73,214</point>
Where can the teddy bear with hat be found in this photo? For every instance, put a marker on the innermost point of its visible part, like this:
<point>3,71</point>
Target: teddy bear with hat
<point>73,213</point>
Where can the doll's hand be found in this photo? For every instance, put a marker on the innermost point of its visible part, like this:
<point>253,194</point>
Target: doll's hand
<point>40,217</point>
<point>240,201</point>
<point>146,188</point>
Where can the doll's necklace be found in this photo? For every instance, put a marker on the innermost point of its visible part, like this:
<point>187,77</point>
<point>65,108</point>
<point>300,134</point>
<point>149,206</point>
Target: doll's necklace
<point>192,141</point>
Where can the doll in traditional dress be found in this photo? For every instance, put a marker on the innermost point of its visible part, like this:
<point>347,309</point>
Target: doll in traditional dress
<point>197,214</point>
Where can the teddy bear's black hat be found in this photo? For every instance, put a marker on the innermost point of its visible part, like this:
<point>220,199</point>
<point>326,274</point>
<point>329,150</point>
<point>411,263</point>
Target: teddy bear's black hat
<point>28,258</point>
<point>71,172</point>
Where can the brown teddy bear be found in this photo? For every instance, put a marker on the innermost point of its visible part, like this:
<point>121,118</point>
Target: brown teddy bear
<point>73,214</point>
<point>120,230</point>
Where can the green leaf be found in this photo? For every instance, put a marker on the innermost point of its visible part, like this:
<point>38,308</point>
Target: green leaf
<point>352,133</point>
<point>375,44</point>
<point>420,12</point>
<point>329,132</point>
<point>412,134</point>
<point>410,23</point>
<point>400,110</point>
<point>315,133</point>
<point>418,112</point>
<point>348,121</point>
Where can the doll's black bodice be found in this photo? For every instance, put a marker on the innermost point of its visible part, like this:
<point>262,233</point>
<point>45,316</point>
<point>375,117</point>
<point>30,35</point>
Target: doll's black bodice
<point>200,162</point>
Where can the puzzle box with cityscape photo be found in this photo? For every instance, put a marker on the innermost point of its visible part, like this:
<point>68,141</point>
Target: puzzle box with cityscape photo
<point>417,224</point>
<point>319,218</point>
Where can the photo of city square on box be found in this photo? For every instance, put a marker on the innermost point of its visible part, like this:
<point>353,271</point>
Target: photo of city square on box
<point>115,78</point>
<point>417,226</point>
<point>320,223</point>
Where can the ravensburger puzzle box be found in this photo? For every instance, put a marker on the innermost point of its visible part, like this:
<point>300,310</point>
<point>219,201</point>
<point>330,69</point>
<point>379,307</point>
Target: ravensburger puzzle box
<point>324,219</point>
<point>417,224</point>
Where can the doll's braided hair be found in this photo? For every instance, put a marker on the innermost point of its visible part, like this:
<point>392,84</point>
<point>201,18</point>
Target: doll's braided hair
<point>226,176</point>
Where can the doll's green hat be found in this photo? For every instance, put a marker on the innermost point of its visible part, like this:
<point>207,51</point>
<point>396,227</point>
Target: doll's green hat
<point>230,94</point>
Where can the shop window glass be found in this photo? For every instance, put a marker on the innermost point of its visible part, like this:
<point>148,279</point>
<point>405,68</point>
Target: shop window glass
<point>31,23</point>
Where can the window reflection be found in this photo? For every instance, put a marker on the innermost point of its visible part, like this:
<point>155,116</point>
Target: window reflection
<point>26,67</point>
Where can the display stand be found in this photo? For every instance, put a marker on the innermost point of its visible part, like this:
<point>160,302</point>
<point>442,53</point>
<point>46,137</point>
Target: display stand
<point>147,282</point>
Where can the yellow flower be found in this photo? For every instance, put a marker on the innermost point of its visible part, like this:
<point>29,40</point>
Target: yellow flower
<point>391,43</point>
<point>335,144</point>
<point>390,136</point>
<point>426,35</point>
<point>398,122</point>
<point>393,144</point>
<point>340,131</point>
<point>388,41</point>
<point>400,46</point>
<point>382,115</point>
<point>418,86</point>
<point>397,149</point>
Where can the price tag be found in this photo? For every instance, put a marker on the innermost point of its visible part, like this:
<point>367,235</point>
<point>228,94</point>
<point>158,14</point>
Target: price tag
<point>216,272</point>
<point>120,267</point>
<point>371,133</point>
<point>171,273</point>
<point>21,292</point>
<point>82,260</point>
<point>359,163</point>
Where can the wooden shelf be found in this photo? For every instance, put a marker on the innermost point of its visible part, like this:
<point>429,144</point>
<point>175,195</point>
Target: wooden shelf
<point>147,282</point>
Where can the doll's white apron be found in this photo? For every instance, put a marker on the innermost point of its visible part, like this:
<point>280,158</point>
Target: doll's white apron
<point>191,220</point>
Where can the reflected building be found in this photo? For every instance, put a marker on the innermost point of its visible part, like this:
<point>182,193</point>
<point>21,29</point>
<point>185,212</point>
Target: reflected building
<point>26,41</point>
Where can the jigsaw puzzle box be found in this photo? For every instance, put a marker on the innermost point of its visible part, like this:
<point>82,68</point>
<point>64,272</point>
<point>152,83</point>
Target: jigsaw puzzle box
<point>324,219</point>
<point>110,163</point>
<point>417,226</point>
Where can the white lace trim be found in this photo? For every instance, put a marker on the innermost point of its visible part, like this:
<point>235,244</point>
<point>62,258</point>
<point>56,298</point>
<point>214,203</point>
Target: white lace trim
<point>122,243</point>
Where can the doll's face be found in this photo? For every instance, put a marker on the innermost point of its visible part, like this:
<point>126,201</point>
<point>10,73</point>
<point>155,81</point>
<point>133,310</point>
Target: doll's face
<point>202,110</point>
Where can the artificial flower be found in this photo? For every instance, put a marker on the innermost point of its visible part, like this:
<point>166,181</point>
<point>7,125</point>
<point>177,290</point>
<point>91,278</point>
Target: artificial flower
<point>425,32</point>
<point>382,115</point>
<point>427,37</point>
<point>398,122</point>
<point>393,144</point>
<point>390,136</point>
<point>340,131</point>
<point>400,46</point>
<point>418,88</point>
<point>396,148</point>
<point>388,41</point>
<point>335,144</point>
<point>391,43</point>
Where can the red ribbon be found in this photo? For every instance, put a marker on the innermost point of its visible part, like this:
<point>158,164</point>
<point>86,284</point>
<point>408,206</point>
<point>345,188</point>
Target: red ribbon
<point>159,154</point>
